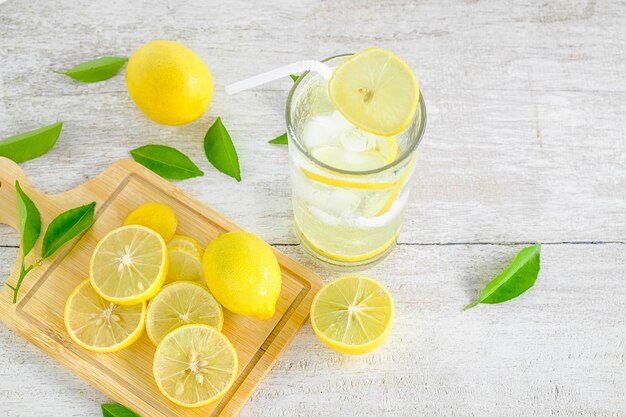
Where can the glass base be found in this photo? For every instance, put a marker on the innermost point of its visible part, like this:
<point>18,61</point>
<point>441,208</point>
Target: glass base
<point>350,265</point>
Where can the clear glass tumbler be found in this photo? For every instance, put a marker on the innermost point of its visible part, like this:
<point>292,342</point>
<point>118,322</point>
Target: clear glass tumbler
<point>345,216</point>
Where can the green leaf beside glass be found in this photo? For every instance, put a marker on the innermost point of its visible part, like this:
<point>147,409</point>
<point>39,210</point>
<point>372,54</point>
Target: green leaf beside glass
<point>518,277</point>
<point>168,162</point>
<point>220,151</point>
<point>99,69</point>
<point>32,144</point>
<point>279,140</point>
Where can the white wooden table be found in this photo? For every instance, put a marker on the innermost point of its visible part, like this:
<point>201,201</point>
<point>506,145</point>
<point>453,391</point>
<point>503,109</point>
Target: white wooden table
<point>525,142</point>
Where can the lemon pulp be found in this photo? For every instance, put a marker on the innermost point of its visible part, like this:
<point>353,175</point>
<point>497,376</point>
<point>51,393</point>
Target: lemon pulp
<point>185,265</point>
<point>99,325</point>
<point>352,314</point>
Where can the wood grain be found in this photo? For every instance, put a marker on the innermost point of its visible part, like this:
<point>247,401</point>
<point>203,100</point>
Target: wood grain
<point>524,143</point>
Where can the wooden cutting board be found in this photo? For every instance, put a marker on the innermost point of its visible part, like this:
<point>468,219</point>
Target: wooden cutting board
<point>126,376</point>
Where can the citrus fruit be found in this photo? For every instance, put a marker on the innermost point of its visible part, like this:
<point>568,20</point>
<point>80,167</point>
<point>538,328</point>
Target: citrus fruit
<point>185,265</point>
<point>352,314</point>
<point>243,274</point>
<point>129,265</point>
<point>168,82</point>
<point>376,91</point>
<point>195,365</point>
<point>155,216</point>
<point>383,151</point>
<point>179,304</point>
<point>185,242</point>
<point>99,325</point>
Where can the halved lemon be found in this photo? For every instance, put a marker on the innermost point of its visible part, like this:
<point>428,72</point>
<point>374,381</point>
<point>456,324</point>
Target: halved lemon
<point>185,265</point>
<point>185,242</point>
<point>129,265</point>
<point>352,314</point>
<point>99,325</point>
<point>155,216</point>
<point>195,365</point>
<point>375,90</point>
<point>179,304</point>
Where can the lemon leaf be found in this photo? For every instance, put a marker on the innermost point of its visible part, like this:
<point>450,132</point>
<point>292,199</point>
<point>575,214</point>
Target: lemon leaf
<point>65,227</point>
<point>117,410</point>
<point>30,220</point>
<point>32,144</point>
<point>99,69</point>
<point>220,151</point>
<point>294,77</point>
<point>518,277</point>
<point>279,140</point>
<point>166,161</point>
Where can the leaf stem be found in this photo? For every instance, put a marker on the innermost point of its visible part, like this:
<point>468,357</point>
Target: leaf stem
<point>23,272</point>
<point>474,304</point>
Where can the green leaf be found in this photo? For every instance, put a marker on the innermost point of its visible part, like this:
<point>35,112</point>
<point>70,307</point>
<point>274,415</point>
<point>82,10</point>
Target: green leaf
<point>99,69</point>
<point>294,77</point>
<point>220,151</point>
<point>279,140</point>
<point>117,410</point>
<point>166,161</point>
<point>30,145</point>
<point>518,277</point>
<point>65,227</point>
<point>30,220</point>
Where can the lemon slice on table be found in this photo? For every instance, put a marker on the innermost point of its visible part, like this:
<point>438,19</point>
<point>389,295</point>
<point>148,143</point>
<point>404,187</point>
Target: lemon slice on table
<point>155,216</point>
<point>185,242</point>
<point>185,265</point>
<point>195,365</point>
<point>129,265</point>
<point>179,304</point>
<point>376,91</point>
<point>352,314</point>
<point>99,325</point>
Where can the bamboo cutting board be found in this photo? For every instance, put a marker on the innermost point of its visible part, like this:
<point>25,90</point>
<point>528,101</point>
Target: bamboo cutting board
<point>126,376</point>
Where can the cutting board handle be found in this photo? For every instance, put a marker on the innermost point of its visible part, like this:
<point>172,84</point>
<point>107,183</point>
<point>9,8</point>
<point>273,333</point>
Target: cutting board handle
<point>9,173</point>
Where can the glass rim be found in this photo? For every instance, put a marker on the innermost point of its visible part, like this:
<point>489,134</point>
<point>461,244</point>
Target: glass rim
<point>407,153</point>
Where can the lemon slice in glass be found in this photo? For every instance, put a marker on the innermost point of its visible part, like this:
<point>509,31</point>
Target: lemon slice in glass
<point>352,314</point>
<point>179,304</point>
<point>185,265</point>
<point>195,365</point>
<point>376,91</point>
<point>185,242</point>
<point>99,325</point>
<point>129,265</point>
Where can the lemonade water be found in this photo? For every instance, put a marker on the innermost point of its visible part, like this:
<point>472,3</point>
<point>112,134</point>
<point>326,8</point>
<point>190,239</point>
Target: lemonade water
<point>349,187</point>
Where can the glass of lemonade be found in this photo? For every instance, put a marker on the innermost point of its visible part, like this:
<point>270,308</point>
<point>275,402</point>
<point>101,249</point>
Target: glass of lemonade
<point>350,188</point>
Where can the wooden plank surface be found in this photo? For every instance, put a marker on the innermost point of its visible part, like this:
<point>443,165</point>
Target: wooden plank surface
<point>524,143</point>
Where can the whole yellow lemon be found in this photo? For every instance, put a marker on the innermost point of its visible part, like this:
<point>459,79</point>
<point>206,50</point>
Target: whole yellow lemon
<point>243,274</point>
<point>169,83</point>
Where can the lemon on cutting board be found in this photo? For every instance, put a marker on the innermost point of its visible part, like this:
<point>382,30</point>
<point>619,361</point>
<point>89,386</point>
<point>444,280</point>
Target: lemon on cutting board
<point>195,365</point>
<point>155,216</point>
<point>129,265</point>
<point>352,314</point>
<point>99,325</point>
<point>179,304</point>
<point>243,274</point>
<point>169,82</point>
<point>376,91</point>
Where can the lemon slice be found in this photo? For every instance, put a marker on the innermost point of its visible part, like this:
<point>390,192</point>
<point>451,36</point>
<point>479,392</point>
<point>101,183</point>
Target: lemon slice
<point>352,314</point>
<point>195,365</point>
<point>179,304</point>
<point>376,91</point>
<point>99,325</point>
<point>185,242</point>
<point>155,216</point>
<point>129,265</point>
<point>185,265</point>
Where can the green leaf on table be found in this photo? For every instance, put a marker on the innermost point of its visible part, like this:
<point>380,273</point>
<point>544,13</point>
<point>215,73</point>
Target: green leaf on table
<point>518,277</point>
<point>99,69</point>
<point>65,227</point>
<point>294,77</point>
<point>117,410</point>
<point>30,220</point>
<point>30,145</point>
<point>279,140</point>
<point>220,151</point>
<point>166,161</point>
